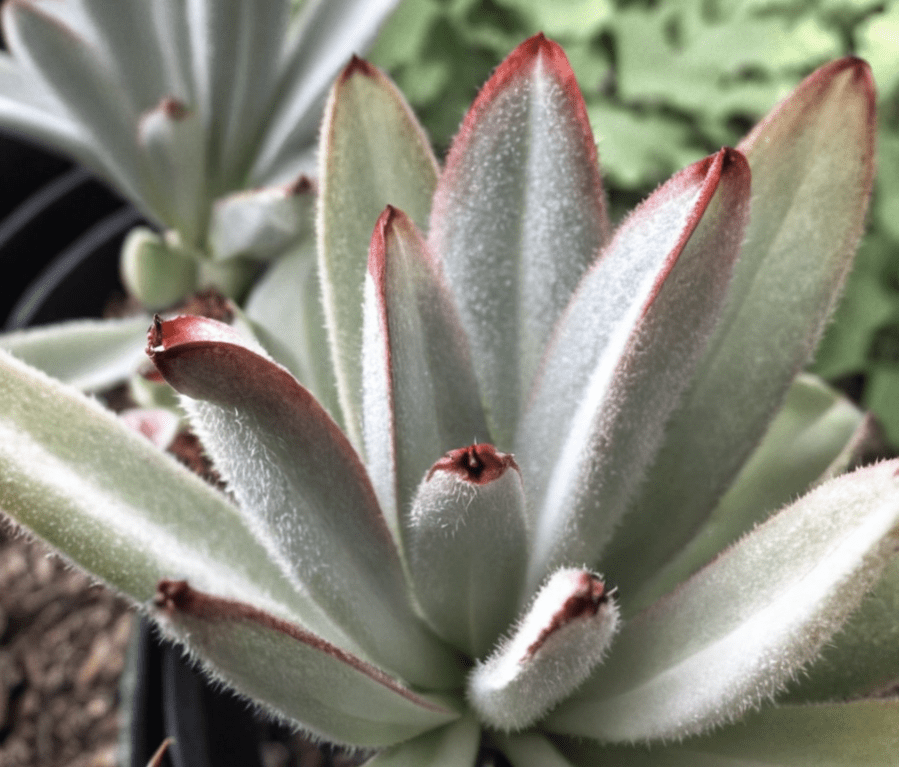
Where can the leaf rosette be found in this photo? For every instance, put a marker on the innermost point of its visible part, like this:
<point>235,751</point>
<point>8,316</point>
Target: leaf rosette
<point>530,407</point>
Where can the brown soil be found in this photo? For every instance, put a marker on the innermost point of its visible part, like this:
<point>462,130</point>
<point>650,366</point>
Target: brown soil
<point>62,646</point>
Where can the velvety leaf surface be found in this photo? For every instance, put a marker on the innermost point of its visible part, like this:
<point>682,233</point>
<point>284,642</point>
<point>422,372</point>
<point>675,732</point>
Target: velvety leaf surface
<point>802,443</point>
<point>329,33</point>
<point>864,733</point>
<point>234,66</point>
<point>121,508</point>
<point>130,41</point>
<point>173,141</point>
<point>26,105</point>
<point>465,541</point>
<point>519,215</point>
<point>420,397</point>
<point>285,310</point>
<point>261,223</point>
<point>812,169</point>
<point>302,488</point>
<point>364,110</point>
<point>622,354</point>
<point>532,750</point>
<point>88,354</point>
<point>740,629</point>
<point>334,694</point>
<point>78,76</point>
<point>863,658</point>
<point>455,745</point>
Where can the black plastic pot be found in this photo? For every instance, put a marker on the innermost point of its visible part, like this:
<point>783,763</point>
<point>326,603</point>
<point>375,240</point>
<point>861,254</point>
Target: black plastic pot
<point>170,698</point>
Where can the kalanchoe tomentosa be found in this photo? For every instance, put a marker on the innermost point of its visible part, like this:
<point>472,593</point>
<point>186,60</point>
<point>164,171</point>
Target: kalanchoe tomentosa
<point>203,113</point>
<point>525,401</point>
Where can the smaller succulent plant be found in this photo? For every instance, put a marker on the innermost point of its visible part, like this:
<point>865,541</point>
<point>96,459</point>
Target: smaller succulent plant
<point>203,113</point>
<point>525,400</point>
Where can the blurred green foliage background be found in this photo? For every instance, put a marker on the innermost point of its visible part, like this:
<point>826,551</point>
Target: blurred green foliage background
<point>668,82</point>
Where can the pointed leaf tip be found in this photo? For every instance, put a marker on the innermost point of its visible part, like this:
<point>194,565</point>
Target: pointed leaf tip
<point>524,57</point>
<point>809,96</point>
<point>478,464</point>
<point>358,66</point>
<point>708,174</point>
<point>512,268</point>
<point>177,596</point>
<point>559,640</point>
<point>332,692</point>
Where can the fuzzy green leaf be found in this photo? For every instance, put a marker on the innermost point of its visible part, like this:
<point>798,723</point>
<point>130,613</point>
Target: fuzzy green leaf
<point>84,82</point>
<point>519,215</point>
<point>802,443</point>
<point>420,397</point>
<point>71,472</point>
<point>285,311</point>
<point>261,223</point>
<point>865,733</point>
<point>373,154</point>
<point>741,628</point>
<point>863,658</point>
<point>234,65</point>
<point>329,33</point>
<point>812,169</point>
<point>455,745</point>
<point>621,356</point>
<point>465,541</point>
<point>302,489</point>
<point>88,354</point>
<point>333,694</point>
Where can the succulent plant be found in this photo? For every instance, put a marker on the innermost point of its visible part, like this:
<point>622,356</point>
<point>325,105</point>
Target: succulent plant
<point>525,399</point>
<point>203,114</point>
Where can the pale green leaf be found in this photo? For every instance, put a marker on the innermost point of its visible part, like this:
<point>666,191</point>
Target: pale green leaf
<point>465,539</point>
<point>154,271</point>
<point>331,693</point>
<point>519,215</point>
<point>420,397</point>
<point>373,153</point>
<point>261,223</point>
<point>327,34</point>
<point>621,356</point>
<point>740,629</point>
<point>26,105</point>
<point>80,78</point>
<point>862,734</point>
<point>285,311</point>
<point>302,489</point>
<point>455,745</point>
<point>117,506</point>
<point>812,167</point>
<point>863,658</point>
<point>173,152</point>
<point>531,749</point>
<point>88,354</point>
<point>128,38</point>
<point>806,437</point>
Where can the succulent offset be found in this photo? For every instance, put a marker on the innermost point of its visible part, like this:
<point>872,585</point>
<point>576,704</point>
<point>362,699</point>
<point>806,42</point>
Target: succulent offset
<point>203,113</point>
<point>551,509</point>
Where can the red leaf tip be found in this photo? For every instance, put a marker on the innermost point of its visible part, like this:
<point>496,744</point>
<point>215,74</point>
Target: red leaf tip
<point>478,464</point>
<point>302,184</point>
<point>357,66</point>
<point>589,594</point>
<point>173,108</point>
